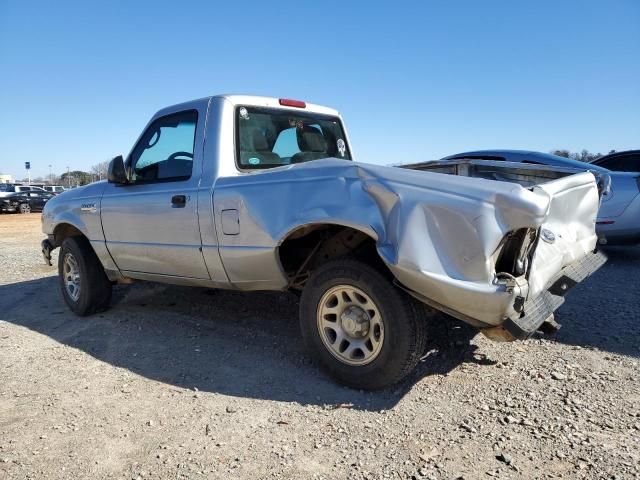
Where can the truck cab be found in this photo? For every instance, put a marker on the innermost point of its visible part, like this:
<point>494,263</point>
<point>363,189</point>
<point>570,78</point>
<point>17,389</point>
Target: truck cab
<point>161,219</point>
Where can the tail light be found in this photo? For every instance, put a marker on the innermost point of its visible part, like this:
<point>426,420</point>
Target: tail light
<point>287,102</point>
<point>604,186</point>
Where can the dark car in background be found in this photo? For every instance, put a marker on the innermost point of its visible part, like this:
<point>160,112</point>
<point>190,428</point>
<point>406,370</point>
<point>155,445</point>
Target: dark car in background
<point>628,161</point>
<point>24,202</point>
<point>618,221</point>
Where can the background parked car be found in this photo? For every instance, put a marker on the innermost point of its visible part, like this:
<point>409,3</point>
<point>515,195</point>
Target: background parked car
<point>55,189</point>
<point>7,189</point>
<point>628,161</point>
<point>618,221</point>
<point>25,202</point>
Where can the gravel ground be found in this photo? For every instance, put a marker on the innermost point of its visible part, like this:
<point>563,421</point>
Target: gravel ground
<point>175,382</point>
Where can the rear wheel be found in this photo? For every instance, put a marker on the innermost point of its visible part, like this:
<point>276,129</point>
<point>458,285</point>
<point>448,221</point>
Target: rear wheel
<point>24,208</point>
<point>361,329</point>
<point>84,285</point>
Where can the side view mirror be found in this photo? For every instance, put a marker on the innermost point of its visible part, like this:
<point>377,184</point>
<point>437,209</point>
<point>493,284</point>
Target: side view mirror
<point>117,173</point>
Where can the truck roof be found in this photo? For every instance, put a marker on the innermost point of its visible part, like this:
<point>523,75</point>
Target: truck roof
<point>252,100</point>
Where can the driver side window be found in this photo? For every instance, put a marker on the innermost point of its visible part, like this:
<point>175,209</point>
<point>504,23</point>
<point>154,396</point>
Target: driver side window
<point>165,151</point>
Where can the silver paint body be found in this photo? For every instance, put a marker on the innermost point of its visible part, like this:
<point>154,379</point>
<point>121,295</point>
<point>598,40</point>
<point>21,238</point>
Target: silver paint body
<point>439,234</point>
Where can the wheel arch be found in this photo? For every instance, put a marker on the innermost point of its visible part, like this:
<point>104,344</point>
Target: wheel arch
<point>305,247</point>
<point>64,230</point>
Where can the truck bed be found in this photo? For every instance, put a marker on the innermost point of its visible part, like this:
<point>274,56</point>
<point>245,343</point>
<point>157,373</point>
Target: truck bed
<point>566,231</point>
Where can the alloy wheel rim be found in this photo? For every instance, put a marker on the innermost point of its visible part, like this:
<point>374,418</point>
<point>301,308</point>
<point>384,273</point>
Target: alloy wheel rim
<point>350,325</point>
<point>71,276</point>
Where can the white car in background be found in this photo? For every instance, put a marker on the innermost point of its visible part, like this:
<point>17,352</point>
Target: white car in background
<point>7,189</point>
<point>55,189</point>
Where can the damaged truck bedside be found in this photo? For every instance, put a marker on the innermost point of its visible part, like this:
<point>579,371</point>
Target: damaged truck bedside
<point>255,193</point>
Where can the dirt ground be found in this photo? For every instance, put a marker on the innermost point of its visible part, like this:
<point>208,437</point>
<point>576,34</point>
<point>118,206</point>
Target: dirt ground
<point>177,383</point>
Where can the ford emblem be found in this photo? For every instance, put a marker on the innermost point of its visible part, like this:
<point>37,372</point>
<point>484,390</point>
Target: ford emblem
<point>547,235</point>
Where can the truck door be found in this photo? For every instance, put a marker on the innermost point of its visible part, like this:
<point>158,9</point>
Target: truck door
<point>151,224</point>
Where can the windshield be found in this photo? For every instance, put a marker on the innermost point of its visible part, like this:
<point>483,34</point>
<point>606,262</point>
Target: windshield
<point>6,188</point>
<point>267,138</point>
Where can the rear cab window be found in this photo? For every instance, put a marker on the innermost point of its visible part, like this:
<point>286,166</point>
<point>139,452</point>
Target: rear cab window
<point>273,137</point>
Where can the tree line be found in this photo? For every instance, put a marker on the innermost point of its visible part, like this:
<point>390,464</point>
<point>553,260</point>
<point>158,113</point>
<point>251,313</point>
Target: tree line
<point>583,156</point>
<point>75,178</point>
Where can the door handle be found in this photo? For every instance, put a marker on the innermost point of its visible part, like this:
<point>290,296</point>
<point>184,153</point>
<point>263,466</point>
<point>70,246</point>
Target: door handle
<point>178,201</point>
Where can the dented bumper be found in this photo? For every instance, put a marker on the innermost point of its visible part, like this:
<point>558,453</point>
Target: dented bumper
<point>537,310</point>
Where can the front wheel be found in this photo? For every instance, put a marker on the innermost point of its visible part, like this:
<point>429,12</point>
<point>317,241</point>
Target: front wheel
<point>24,208</point>
<point>84,285</point>
<point>363,330</point>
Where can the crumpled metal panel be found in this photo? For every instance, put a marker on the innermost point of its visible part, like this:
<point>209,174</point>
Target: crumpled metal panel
<point>571,218</point>
<point>437,233</point>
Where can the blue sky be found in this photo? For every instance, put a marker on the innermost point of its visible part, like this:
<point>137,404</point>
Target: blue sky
<point>413,80</point>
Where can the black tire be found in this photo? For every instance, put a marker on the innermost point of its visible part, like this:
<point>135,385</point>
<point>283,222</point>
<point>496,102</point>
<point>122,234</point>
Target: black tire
<point>404,322</point>
<point>24,208</point>
<point>94,286</point>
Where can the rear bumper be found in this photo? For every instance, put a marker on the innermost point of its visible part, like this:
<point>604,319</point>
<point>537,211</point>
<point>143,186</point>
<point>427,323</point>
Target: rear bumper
<point>613,235</point>
<point>540,308</point>
<point>622,229</point>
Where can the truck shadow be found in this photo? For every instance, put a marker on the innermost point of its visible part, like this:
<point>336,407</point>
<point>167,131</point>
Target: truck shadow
<point>238,344</point>
<point>248,344</point>
<point>603,312</point>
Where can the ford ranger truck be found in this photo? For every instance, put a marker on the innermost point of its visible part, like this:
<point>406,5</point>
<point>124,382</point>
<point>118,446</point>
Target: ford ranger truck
<point>253,193</point>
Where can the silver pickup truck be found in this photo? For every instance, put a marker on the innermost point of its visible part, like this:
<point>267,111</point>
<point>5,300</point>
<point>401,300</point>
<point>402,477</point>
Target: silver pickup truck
<point>254,193</point>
